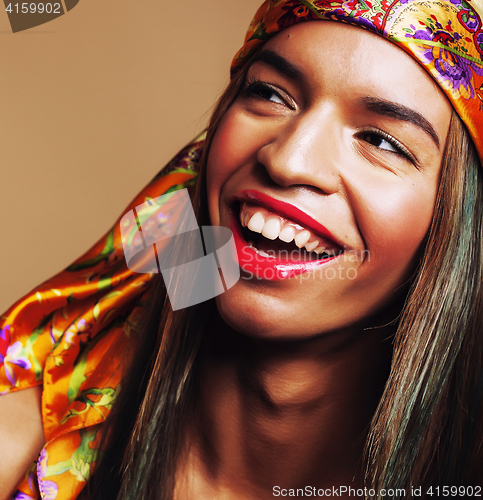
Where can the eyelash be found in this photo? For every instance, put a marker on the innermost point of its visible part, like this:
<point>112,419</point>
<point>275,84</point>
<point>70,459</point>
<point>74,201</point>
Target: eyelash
<point>254,88</point>
<point>401,149</point>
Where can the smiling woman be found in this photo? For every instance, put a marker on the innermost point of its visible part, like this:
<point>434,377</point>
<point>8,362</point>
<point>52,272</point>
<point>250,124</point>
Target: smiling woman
<point>325,144</point>
<point>350,352</point>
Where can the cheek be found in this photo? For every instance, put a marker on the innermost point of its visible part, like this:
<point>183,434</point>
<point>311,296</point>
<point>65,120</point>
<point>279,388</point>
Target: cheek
<point>394,225</point>
<point>222,160</point>
<point>229,149</point>
<point>234,147</point>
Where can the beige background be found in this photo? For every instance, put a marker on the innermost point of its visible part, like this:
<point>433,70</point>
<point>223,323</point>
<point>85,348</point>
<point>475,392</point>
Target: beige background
<point>92,104</point>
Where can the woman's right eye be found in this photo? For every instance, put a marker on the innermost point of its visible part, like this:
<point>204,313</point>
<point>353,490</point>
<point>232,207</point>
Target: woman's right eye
<point>264,91</point>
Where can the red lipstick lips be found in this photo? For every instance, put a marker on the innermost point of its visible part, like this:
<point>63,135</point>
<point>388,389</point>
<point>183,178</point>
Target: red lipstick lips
<point>272,268</point>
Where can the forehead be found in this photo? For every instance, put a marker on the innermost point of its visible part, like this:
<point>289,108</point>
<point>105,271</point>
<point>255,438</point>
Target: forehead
<point>347,60</point>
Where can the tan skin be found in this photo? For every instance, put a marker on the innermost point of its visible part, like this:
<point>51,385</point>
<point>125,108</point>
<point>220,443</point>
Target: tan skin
<point>291,374</point>
<point>21,436</point>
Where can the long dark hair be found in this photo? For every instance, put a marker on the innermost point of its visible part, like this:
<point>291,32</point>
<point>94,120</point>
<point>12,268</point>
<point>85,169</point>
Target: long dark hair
<point>427,429</point>
<point>143,435</point>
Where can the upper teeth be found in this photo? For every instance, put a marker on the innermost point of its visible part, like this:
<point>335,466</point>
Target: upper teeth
<point>272,226</point>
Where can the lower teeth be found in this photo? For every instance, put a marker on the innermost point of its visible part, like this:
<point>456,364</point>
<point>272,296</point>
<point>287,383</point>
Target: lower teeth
<point>259,252</point>
<point>262,253</point>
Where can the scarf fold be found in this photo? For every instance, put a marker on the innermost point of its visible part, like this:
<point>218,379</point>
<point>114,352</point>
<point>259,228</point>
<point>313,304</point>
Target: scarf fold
<point>72,335</point>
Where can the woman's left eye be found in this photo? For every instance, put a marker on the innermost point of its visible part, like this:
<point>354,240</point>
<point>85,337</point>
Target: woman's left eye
<point>384,141</point>
<point>269,94</point>
<point>265,91</point>
<point>380,142</point>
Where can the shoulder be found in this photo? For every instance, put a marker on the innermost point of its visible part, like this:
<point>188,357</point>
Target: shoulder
<point>72,335</point>
<point>21,436</point>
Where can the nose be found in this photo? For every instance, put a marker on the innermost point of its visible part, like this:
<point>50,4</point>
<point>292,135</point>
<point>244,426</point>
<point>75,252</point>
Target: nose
<point>305,150</point>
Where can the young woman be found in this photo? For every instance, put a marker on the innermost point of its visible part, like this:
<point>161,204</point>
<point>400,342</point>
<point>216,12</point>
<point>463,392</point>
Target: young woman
<point>356,361</point>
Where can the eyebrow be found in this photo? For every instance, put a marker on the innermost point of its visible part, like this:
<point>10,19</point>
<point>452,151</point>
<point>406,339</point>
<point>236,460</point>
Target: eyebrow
<point>400,112</point>
<point>279,63</point>
<point>375,104</point>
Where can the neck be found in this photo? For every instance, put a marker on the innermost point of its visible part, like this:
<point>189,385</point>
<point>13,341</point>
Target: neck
<point>289,414</point>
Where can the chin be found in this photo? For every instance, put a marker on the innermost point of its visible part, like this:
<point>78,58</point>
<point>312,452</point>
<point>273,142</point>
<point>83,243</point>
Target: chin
<point>266,315</point>
<point>261,310</point>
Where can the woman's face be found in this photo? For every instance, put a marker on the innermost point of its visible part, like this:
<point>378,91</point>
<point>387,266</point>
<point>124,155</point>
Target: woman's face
<point>336,140</point>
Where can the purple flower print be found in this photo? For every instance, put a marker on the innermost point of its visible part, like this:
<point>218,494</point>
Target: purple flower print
<point>469,19</point>
<point>4,341</point>
<point>455,70</point>
<point>458,71</point>
<point>11,355</point>
<point>49,490</point>
<point>18,495</point>
<point>42,464</point>
<point>32,482</point>
<point>81,328</point>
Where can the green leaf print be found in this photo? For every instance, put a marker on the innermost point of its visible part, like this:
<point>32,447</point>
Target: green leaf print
<point>105,252</point>
<point>28,350</point>
<point>259,34</point>
<point>108,396</point>
<point>83,457</point>
<point>78,378</point>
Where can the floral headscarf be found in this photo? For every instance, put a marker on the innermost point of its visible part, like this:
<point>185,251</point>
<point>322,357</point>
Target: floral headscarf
<point>71,333</point>
<point>444,36</point>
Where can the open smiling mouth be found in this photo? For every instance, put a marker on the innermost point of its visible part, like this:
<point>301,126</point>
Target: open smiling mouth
<point>273,247</point>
